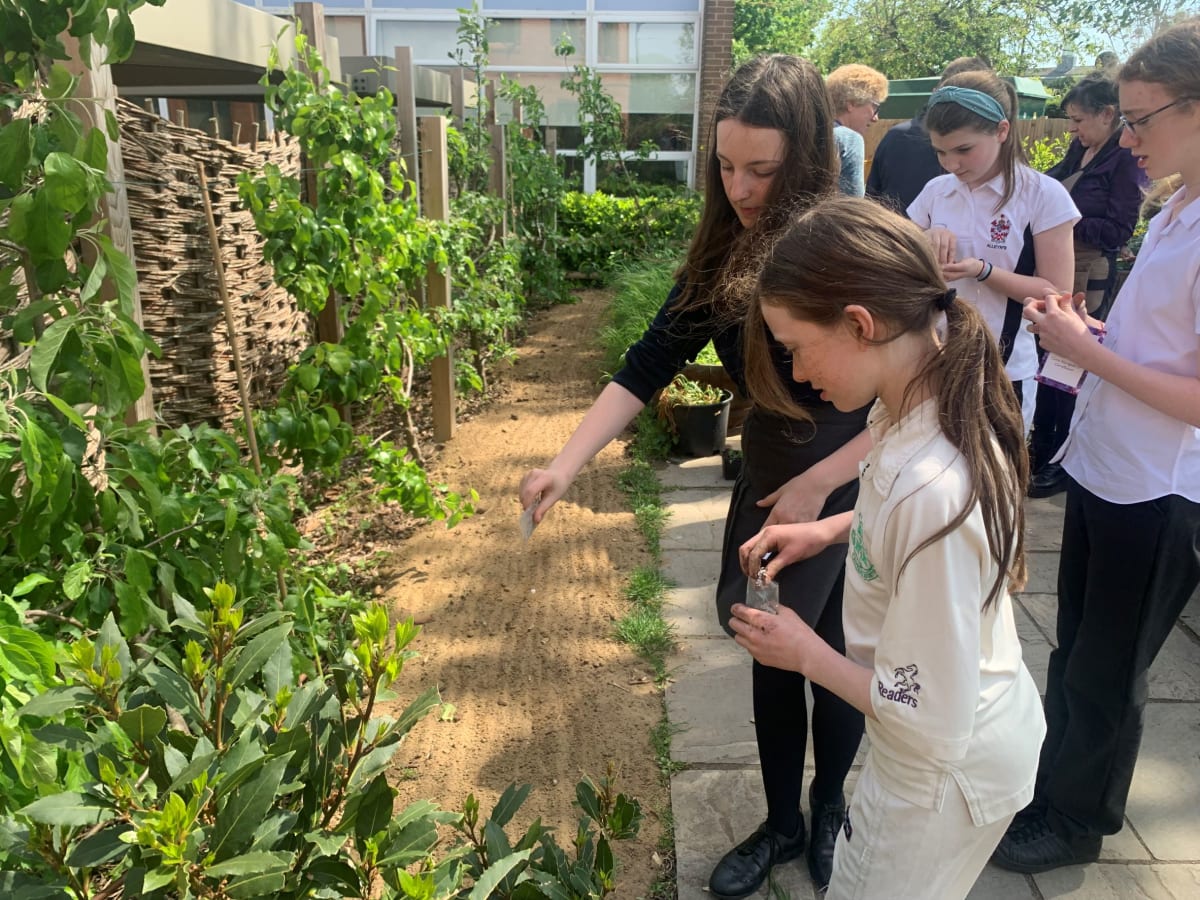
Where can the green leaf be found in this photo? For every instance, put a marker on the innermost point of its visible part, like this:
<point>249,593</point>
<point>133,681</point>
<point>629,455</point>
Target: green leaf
<point>60,83</point>
<point>585,794</point>
<point>99,848</point>
<point>66,182</point>
<point>509,802</point>
<point>277,673</point>
<point>29,582</point>
<point>16,150</point>
<point>120,39</point>
<point>245,809</point>
<point>76,580</point>
<point>250,863</point>
<point>496,873</point>
<point>41,225</point>
<point>123,273</point>
<point>56,701</point>
<point>143,723</point>
<point>254,655</point>
<point>95,280</point>
<point>45,352</point>
<point>29,654</point>
<point>68,808</point>
<point>375,810</point>
<point>68,412</point>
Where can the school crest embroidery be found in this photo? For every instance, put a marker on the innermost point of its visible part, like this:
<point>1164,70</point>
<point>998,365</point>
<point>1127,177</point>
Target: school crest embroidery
<point>858,552</point>
<point>1000,229</point>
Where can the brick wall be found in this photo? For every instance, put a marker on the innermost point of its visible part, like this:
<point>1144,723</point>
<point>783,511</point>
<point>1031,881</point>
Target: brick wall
<point>716,58</point>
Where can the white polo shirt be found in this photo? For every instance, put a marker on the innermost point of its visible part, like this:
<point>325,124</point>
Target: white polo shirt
<point>1038,202</point>
<point>951,696</point>
<point>1120,449</point>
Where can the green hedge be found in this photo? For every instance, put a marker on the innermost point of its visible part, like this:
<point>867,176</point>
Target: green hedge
<point>601,232</point>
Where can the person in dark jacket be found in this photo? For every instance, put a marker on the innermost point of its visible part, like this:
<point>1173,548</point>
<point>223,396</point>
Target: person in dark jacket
<point>772,152</point>
<point>904,161</point>
<point>1106,184</point>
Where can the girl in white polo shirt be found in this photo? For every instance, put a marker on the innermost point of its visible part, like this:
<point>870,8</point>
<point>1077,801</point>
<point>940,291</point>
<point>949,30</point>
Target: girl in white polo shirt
<point>1131,535</point>
<point>1001,230</point>
<point>856,295</point>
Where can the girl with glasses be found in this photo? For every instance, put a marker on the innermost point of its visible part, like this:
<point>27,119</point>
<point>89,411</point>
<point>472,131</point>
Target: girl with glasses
<point>1131,536</point>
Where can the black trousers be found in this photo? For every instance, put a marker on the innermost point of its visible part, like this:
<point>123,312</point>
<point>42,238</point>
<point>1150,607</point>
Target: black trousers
<point>1051,423</point>
<point>776,450</point>
<point>1126,573</point>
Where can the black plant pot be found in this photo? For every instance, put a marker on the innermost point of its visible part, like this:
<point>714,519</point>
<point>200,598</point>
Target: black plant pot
<point>700,430</point>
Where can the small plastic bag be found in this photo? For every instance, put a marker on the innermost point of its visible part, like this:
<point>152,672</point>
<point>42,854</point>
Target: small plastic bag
<point>762,594</point>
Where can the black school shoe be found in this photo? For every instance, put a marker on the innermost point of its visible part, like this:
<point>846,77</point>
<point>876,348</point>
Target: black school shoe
<point>743,869</point>
<point>827,819</point>
<point>1050,479</point>
<point>1033,846</point>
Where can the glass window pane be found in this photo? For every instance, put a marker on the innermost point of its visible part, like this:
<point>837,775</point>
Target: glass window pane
<point>531,42</point>
<point>672,173</point>
<point>646,93</point>
<point>432,42</point>
<point>562,112</point>
<point>648,43</point>
<point>645,5</point>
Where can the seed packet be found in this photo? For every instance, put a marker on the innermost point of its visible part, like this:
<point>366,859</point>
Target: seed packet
<point>762,594</point>
<point>527,523</point>
<point>1060,373</point>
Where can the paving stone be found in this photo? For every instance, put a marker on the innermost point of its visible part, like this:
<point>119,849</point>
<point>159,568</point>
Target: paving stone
<point>1162,803</point>
<point>1191,613</point>
<point>1117,882</point>
<point>704,472</point>
<point>997,884</point>
<point>1043,570</point>
<point>697,520</point>
<point>1043,523</point>
<point>709,700</point>
<point>689,608</point>
<point>1034,649</point>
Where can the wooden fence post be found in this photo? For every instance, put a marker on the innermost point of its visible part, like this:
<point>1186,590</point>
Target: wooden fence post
<point>98,100</point>
<point>310,19</point>
<point>458,101</point>
<point>498,171</point>
<point>435,189</point>
<point>490,94</point>
<point>406,116</point>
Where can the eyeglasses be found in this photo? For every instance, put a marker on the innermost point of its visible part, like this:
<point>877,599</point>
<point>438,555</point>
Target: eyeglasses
<point>875,104</point>
<point>1135,124</point>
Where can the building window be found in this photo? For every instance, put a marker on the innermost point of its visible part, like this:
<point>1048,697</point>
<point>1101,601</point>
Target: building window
<point>531,42</point>
<point>647,43</point>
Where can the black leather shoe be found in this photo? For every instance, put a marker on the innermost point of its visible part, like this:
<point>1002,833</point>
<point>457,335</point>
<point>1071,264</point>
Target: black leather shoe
<point>743,869</point>
<point>827,819</point>
<point>1034,846</point>
<point>1051,479</point>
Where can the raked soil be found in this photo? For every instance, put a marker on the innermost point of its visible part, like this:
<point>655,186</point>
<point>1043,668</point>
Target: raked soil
<point>519,637</point>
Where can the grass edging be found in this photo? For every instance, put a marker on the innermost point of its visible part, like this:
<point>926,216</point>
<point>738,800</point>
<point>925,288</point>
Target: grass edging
<point>653,638</point>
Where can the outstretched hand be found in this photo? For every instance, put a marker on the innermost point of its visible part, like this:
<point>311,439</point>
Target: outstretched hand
<point>544,487</point>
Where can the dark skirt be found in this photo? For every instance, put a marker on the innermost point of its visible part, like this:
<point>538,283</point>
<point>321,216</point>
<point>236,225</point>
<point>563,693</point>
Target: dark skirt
<point>775,450</point>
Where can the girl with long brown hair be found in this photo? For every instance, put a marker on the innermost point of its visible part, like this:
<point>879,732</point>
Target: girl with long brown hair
<point>771,151</point>
<point>932,658</point>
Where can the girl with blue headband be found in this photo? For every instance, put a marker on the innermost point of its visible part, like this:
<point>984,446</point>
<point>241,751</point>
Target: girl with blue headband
<point>1000,230</point>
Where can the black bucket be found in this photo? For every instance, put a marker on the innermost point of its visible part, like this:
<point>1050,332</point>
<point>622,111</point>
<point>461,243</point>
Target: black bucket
<point>700,430</point>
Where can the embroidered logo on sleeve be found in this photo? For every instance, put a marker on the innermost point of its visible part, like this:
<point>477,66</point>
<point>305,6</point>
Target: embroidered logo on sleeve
<point>858,552</point>
<point>904,689</point>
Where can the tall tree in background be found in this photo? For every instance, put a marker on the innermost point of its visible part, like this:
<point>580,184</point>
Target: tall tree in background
<point>775,26</point>
<point>1118,25</point>
<point>916,38</point>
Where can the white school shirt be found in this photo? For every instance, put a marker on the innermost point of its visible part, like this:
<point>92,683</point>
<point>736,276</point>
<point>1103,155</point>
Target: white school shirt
<point>1119,448</point>
<point>1038,201</point>
<point>951,697</point>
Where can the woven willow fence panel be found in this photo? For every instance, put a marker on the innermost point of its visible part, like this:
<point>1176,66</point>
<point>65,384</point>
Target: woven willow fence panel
<point>194,378</point>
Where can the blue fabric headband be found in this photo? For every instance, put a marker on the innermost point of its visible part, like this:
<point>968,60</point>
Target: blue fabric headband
<point>984,105</point>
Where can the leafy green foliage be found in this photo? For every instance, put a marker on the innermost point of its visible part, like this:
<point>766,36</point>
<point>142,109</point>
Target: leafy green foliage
<point>775,26</point>
<point>1046,153</point>
<point>605,232</point>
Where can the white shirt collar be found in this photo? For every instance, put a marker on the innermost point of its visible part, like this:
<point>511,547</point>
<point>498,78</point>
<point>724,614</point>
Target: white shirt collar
<point>896,443</point>
<point>954,185</point>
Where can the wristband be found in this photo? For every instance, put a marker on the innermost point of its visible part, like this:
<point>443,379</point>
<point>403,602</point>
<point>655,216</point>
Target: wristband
<point>985,272</point>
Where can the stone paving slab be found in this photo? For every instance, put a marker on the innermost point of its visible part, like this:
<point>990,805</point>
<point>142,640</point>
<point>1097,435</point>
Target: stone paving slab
<point>697,520</point>
<point>1043,523</point>
<point>689,607</point>
<point>1164,800</point>
<point>1115,882</point>
<point>704,472</point>
<point>709,700</point>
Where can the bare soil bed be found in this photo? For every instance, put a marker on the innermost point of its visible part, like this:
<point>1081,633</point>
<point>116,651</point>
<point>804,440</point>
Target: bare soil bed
<point>518,637</point>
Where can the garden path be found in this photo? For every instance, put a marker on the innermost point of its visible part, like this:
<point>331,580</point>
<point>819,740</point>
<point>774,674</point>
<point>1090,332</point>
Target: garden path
<point>518,636</point>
